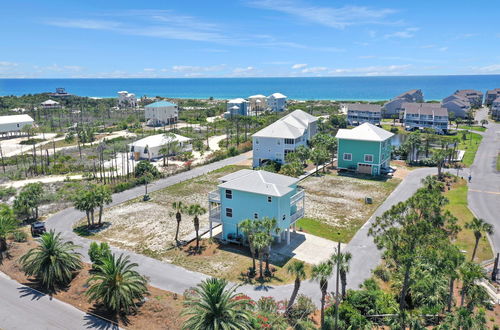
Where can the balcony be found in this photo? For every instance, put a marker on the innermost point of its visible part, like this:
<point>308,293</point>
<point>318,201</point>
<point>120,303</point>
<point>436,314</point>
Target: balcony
<point>297,215</point>
<point>214,196</point>
<point>214,215</point>
<point>297,197</point>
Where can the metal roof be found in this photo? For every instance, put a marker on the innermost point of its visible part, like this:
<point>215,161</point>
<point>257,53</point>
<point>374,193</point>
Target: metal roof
<point>160,104</point>
<point>364,132</point>
<point>158,140</point>
<point>290,126</point>
<point>259,182</point>
<point>14,119</point>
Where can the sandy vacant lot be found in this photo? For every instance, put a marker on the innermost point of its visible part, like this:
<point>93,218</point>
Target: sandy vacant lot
<point>149,227</point>
<point>336,199</point>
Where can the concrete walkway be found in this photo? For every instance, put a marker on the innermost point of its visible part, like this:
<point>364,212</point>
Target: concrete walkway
<point>177,279</point>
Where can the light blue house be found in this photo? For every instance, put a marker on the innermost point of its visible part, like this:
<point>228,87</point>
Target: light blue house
<point>249,194</point>
<point>275,141</point>
<point>236,107</point>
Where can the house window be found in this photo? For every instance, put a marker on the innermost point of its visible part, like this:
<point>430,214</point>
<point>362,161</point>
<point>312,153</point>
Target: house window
<point>17,125</point>
<point>132,149</point>
<point>229,194</point>
<point>255,215</point>
<point>229,212</point>
<point>347,156</point>
<point>284,217</point>
<point>368,158</point>
<point>146,150</point>
<point>289,141</point>
<point>269,199</point>
<point>256,141</point>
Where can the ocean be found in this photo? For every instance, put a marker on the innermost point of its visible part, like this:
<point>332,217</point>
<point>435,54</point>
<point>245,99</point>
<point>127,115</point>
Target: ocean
<point>320,88</point>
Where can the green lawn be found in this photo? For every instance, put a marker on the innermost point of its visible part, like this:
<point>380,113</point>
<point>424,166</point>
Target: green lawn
<point>474,128</point>
<point>317,228</point>
<point>388,127</point>
<point>498,162</point>
<point>470,146</point>
<point>465,239</point>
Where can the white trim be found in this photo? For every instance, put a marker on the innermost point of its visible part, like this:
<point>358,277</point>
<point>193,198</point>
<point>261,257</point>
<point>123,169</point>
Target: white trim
<point>350,156</point>
<point>368,161</point>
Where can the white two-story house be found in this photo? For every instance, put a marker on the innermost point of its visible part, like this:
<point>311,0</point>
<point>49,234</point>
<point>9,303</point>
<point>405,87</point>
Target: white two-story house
<point>425,115</point>
<point>275,141</point>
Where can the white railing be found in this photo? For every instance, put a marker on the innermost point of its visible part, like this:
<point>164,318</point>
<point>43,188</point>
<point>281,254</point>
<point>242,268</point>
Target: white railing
<point>214,196</point>
<point>297,197</point>
<point>297,215</point>
<point>214,215</point>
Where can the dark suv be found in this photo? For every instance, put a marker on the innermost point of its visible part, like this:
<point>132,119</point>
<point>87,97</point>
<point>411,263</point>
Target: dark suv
<point>37,228</point>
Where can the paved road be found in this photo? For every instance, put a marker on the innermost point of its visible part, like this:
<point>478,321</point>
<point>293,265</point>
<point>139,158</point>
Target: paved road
<point>24,308</point>
<point>177,279</point>
<point>484,188</point>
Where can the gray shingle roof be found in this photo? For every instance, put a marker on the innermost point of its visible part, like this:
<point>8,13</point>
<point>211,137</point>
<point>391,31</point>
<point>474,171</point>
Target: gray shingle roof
<point>435,109</point>
<point>363,107</point>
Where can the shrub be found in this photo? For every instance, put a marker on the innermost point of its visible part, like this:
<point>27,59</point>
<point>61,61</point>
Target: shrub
<point>97,252</point>
<point>302,308</point>
<point>19,236</point>
<point>394,129</point>
<point>382,273</point>
<point>145,166</point>
<point>5,193</point>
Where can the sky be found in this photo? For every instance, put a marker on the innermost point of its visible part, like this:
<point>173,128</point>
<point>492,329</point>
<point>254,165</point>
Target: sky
<point>247,38</point>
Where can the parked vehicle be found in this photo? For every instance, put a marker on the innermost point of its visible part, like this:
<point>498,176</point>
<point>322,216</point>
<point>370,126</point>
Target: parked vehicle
<point>37,228</point>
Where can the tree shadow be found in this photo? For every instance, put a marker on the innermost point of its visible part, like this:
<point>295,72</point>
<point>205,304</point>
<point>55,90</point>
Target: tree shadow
<point>192,250</point>
<point>86,231</point>
<point>104,319</point>
<point>27,292</point>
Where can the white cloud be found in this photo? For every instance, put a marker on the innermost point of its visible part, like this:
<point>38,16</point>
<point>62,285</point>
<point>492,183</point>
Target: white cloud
<point>244,70</point>
<point>339,18</point>
<point>405,34</point>
<point>149,70</point>
<point>8,64</point>
<point>372,70</point>
<point>299,66</point>
<point>198,69</point>
<point>315,69</point>
<point>494,68</point>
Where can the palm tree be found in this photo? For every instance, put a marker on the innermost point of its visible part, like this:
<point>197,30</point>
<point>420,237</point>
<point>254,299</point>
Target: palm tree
<point>85,201</point>
<point>342,259</point>
<point>179,208</point>
<point>478,226</point>
<point>116,284</point>
<point>53,262</point>
<point>270,226</point>
<point>249,227</point>
<point>322,273</point>
<point>102,197</point>
<point>8,225</point>
<point>196,210</point>
<point>296,268</point>
<point>261,241</point>
<point>470,273</point>
<point>212,306</point>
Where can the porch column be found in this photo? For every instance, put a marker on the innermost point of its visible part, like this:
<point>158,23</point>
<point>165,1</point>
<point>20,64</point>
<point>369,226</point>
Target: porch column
<point>210,224</point>
<point>288,236</point>
<point>294,228</point>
